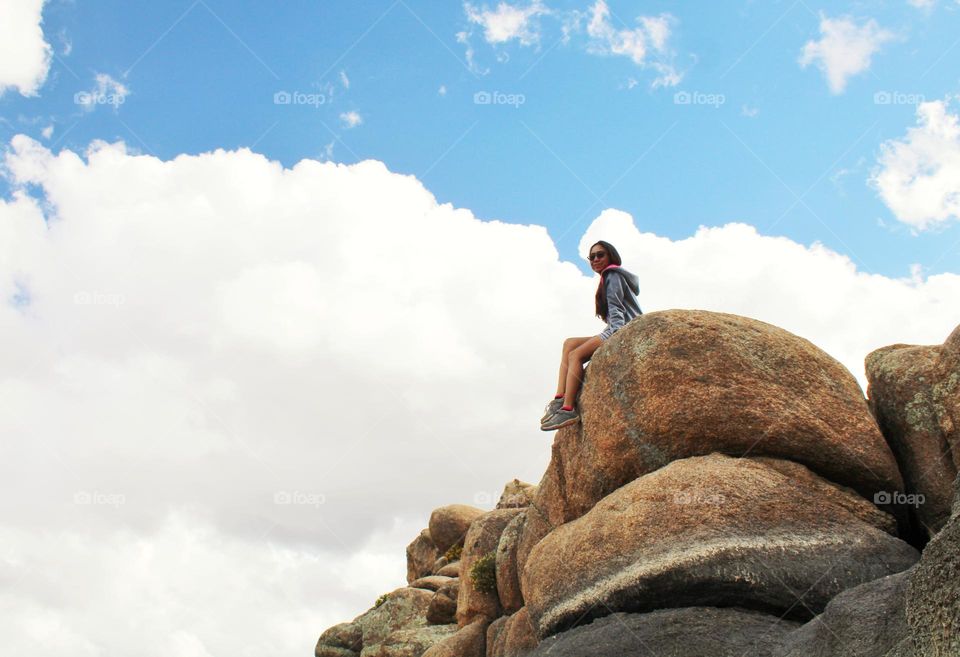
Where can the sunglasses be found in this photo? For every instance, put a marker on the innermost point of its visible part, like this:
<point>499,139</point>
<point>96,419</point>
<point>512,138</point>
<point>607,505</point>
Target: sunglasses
<point>597,255</point>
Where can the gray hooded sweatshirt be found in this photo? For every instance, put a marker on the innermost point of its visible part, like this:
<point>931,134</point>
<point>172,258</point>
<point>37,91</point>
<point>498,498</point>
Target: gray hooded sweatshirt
<point>621,288</point>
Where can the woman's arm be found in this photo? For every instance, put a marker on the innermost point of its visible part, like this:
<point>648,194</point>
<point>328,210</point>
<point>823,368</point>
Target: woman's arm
<point>615,317</point>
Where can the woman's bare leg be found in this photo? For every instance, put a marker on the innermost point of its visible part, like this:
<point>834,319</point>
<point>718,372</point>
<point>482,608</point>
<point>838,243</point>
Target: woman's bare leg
<point>568,346</point>
<point>575,360</point>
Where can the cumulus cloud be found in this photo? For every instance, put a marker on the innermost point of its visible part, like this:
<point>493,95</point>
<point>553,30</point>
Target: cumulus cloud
<point>845,49</point>
<point>235,390</point>
<point>508,22</point>
<point>918,176</point>
<point>24,54</point>
<point>645,45</point>
<point>809,290</point>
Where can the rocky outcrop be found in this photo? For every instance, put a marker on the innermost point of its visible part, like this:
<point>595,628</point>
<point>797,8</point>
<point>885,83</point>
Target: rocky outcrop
<point>710,530</point>
<point>915,613</point>
<point>449,570</point>
<point>481,540</point>
<point>933,596</point>
<point>469,641</point>
<point>449,524</point>
<point>443,605</point>
<point>516,495</point>
<point>866,621</point>
<point>403,609</point>
<point>675,384</point>
<point>727,481</point>
<point>421,555</point>
<point>690,632</point>
<point>340,641</point>
<point>430,582</point>
<point>413,642</point>
<point>508,577</point>
<point>514,636</point>
<point>914,394</point>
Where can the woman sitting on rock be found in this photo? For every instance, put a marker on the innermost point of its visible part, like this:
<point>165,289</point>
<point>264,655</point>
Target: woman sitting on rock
<point>616,304</point>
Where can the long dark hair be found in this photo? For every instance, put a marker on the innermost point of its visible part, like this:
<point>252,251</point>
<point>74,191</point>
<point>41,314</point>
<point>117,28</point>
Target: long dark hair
<point>601,298</point>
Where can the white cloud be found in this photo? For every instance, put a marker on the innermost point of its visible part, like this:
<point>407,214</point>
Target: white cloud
<point>809,290</point>
<point>923,4</point>
<point>344,80</point>
<point>442,91</point>
<point>645,45</point>
<point>351,119</point>
<point>206,332</point>
<point>845,49</point>
<point>749,112</point>
<point>508,22</point>
<point>918,177</point>
<point>24,54</point>
<point>47,132</point>
<point>470,54</point>
<point>66,44</point>
<point>106,91</point>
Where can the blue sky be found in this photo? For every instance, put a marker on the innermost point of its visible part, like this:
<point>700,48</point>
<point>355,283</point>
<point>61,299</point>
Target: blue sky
<point>764,140</point>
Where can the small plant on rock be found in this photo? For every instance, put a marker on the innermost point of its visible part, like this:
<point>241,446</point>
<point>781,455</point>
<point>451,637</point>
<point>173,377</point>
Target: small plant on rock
<point>483,573</point>
<point>380,601</point>
<point>453,553</point>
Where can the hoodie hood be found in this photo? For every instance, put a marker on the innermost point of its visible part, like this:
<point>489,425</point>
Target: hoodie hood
<point>630,278</point>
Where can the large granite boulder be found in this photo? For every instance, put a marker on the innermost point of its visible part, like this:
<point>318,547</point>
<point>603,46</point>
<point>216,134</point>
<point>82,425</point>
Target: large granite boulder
<point>421,555</point>
<point>933,596</point>
<point>915,394</point>
<point>689,632</point>
<point>413,642</point>
<point>482,539</point>
<point>512,636</point>
<point>449,524</point>
<point>715,531</point>
<point>343,640</point>
<point>403,609</point>
<point>682,383</point>
<point>516,495</point>
<point>866,621</point>
<point>443,606</point>
<point>469,641</point>
<point>508,577</point>
<point>430,582</point>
